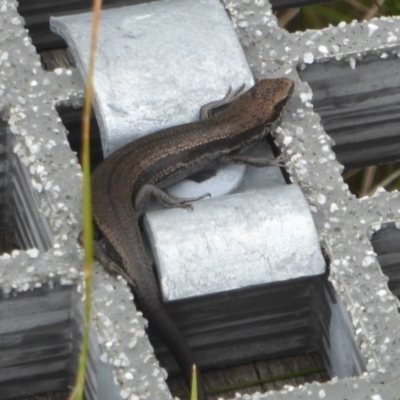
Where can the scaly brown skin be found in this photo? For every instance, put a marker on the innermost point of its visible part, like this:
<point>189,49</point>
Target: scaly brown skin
<point>141,168</point>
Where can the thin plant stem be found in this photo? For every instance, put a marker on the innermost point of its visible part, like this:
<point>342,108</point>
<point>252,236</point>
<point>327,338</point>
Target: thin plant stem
<point>368,178</point>
<point>193,386</point>
<point>387,181</point>
<point>351,173</point>
<point>286,16</point>
<point>77,393</point>
<point>373,10</point>
<point>357,5</point>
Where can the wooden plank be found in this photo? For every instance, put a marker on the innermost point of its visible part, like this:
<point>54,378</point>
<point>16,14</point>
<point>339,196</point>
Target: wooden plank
<point>218,379</point>
<point>235,375</point>
<point>57,58</point>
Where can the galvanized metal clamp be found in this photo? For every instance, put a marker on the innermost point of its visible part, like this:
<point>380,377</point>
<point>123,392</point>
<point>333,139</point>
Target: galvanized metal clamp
<point>155,67</point>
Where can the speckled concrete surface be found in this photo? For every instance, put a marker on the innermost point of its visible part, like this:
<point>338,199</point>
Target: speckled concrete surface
<point>344,223</point>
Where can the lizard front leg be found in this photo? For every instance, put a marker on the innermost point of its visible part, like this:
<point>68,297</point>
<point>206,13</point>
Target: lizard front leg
<point>210,109</point>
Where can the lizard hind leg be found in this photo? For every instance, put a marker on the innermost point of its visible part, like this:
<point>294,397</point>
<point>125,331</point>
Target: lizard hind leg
<point>162,197</point>
<point>237,158</point>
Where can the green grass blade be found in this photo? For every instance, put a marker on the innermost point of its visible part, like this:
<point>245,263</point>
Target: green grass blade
<point>77,393</point>
<point>193,388</point>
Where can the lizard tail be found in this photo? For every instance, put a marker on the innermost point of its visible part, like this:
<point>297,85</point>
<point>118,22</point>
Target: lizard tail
<point>160,322</point>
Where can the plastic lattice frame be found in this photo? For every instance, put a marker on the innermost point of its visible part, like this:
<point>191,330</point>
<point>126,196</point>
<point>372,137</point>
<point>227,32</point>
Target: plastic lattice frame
<point>41,286</point>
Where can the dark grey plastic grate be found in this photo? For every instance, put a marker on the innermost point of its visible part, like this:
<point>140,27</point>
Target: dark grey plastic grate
<point>39,341</point>
<point>46,186</point>
<point>359,107</point>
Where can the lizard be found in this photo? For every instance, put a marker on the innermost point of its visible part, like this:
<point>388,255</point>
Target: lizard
<point>123,184</point>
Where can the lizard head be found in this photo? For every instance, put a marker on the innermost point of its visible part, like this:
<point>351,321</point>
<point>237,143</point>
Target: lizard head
<point>271,97</point>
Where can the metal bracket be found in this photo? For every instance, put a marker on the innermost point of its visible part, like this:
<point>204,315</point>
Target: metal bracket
<point>144,81</point>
